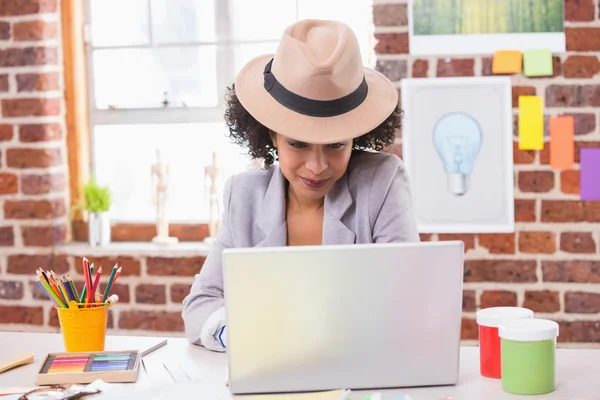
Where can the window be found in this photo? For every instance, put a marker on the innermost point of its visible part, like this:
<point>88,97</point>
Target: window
<point>158,72</point>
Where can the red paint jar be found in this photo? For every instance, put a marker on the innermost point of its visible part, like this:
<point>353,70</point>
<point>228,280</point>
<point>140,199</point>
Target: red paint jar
<point>488,320</point>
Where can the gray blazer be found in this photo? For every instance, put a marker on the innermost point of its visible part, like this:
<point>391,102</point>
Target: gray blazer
<point>371,203</point>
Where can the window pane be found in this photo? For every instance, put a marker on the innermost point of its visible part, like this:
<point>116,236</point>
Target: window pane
<point>242,53</point>
<point>119,23</point>
<point>139,78</point>
<point>183,21</point>
<point>359,16</point>
<point>124,154</point>
<point>260,19</point>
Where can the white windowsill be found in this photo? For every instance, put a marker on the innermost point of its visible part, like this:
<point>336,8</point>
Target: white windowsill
<point>182,249</point>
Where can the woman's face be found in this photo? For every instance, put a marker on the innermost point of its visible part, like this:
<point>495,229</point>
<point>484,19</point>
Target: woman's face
<point>312,169</point>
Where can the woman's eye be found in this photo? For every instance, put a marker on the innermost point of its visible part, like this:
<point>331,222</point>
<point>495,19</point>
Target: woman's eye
<point>336,145</point>
<point>297,145</point>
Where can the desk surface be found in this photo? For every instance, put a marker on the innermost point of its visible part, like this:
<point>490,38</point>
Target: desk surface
<point>577,372</point>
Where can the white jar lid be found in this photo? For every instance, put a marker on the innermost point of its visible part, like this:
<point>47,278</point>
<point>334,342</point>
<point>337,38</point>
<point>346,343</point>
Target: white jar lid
<point>528,330</point>
<point>494,316</point>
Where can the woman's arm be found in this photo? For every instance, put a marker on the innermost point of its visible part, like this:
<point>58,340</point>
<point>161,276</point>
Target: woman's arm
<point>392,204</point>
<point>204,308</point>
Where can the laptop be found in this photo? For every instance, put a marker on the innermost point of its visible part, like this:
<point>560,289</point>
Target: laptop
<point>362,316</point>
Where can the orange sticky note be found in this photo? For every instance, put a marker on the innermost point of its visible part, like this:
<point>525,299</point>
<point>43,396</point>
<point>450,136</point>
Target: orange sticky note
<point>562,146</point>
<point>507,62</point>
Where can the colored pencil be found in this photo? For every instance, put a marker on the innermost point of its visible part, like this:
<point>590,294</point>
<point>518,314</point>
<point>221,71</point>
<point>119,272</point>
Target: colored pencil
<point>96,282</point>
<point>54,295</point>
<point>68,289</point>
<point>73,288</point>
<point>39,282</point>
<point>90,293</point>
<point>110,283</point>
<point>117,275</point>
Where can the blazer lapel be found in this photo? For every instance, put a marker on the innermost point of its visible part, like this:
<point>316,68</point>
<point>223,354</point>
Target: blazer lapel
<point>337,202</point>
<point>271,216</point>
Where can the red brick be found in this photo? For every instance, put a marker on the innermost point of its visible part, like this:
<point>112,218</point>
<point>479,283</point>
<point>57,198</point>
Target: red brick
<point>455,67</point>
<point>8,184</point>
<point>27,263</point>
<point>580,144</point>
<point>525,210</point>
<point>14,314</point>
<point>570,211</point>
<point>24,56</point>
<point>7,236</point>
<point>581,66</point>
<point>179,291</point>
<point>590,96</point>
<point>390,15</point>
<point>583,39</point>
<point>4,30</point>
<point>391,43</point>
<point>469,329</point>
<point>4,86</point>
<point>500,271</point>
<point>181,266</point>
<point>569,182</point>
<point>584,123</point>
<point>25,7</point>
<point>579,10</point>
<point>536,181</point>
<point>6,132</point>
<point>40,132</point>
<point>37,82</point>
<point>521,91</point>
<point>30,107</point>
<point>469,302</point>
<point>579,331</point>
<point>486,66</point>
<point>11,290</point>
<point>577,242</point>
<point>544,301</point>
<point>34,209</point>
<point>162,321</point>
<point>152,294</point>
<point>425,237</point>
<point>522,156</point>
<point>33,158</point>
<point>582,302</point>
<point>563,96</point>
<point>34,31</point>
<point>42,184</point>
<point>467,239</point>
<point>498,298</point>
<point>131,266</point>
<point>420,68</point>
<point>579,271</point>
<point>43,235</point>
<point>498,243</point>
<point>537,242</point>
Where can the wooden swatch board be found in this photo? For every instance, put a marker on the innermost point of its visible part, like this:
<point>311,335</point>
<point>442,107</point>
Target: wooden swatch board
<point>110,366</point>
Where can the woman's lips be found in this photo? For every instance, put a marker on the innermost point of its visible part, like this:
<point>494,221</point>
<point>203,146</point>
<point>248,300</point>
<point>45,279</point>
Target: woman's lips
<point>314,184</point>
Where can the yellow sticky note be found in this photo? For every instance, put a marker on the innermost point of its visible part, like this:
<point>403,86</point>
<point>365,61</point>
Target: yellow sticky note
<point>507,62</point>
<point>531,123</point>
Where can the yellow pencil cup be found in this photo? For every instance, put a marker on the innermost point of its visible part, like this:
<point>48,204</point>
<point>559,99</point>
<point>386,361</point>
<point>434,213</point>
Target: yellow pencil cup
<point>83,328</point>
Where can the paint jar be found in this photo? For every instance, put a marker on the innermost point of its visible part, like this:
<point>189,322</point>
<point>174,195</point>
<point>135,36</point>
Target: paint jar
<point>528,356</point>
<point>83,326</point>
<point>488,320</point>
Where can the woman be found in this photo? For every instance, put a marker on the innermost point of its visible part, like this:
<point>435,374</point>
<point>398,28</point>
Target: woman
<point>314,108</point>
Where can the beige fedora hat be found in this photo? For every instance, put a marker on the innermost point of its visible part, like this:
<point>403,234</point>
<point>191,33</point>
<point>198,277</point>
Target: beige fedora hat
<point>315,88</point>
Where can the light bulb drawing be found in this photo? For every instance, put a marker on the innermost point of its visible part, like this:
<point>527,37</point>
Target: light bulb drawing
<point>457,138</point>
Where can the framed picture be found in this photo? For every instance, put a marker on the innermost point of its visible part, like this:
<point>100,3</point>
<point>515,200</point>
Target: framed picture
<point>447,27</point>
<point>457,144</point>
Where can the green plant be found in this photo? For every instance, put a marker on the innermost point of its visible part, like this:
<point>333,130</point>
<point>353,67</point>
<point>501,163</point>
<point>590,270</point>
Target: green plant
<point>95,198</point>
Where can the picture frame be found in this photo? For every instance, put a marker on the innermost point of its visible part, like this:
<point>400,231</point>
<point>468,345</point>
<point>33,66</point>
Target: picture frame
<point>457,147</point>
<point>485,26</point>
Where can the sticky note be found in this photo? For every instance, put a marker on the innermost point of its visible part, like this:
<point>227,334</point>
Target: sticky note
<point>531,123</point>
<point>507,62</point>
<point>537,63</point>
<point>562,147</point>
<point>590,174</point>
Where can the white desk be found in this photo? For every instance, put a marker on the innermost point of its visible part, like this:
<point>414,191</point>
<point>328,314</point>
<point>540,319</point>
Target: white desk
<point>577,372</point>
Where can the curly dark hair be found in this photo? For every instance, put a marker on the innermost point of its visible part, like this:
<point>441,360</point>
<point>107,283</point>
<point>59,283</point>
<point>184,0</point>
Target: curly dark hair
<point>246,131</point>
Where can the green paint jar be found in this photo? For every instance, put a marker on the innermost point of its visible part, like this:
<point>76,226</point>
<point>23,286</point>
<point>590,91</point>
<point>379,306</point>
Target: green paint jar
<point>528,356</point>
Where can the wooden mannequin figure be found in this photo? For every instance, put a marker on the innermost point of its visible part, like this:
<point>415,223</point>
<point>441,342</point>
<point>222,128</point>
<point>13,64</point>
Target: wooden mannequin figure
<point>160,175</point>
<point>213,172</point>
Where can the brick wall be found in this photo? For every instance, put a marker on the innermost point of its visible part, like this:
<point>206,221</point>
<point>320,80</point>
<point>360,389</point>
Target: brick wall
<point>552,263</point>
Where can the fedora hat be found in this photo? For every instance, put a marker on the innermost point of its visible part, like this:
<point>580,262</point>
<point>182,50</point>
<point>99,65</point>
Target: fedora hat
<point>315,88</point>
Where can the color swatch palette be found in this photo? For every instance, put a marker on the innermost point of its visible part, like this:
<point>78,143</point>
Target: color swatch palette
<point>87,367</point>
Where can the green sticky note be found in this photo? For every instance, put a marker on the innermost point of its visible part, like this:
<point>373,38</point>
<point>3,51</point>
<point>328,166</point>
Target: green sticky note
<point>537,63</point>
